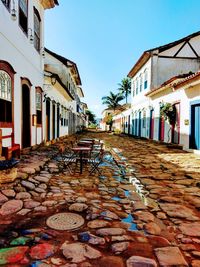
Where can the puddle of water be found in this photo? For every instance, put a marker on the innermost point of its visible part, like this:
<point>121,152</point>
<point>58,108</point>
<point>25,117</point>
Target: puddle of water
<point>127,193</point>
<point>118,178</point>
<point>130,220</point>
<point>102,177</point>
<point>116,198</point>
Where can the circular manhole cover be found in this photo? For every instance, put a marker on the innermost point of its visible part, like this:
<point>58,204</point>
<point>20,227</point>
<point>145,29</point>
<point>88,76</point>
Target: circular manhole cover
<point>65,221</point>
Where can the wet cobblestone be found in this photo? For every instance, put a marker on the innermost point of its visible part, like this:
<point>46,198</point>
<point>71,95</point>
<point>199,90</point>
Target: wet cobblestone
<point>143,209</point>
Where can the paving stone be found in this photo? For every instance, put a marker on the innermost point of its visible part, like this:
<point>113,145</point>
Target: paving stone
<point>12,255</point>
<point>138,261</point>
<point>110,231</point>
<point>23,195</point>
<point>28,170</point>
<point>8,193</point>
<point>78,252</point>
<point>10,207</point>
<point>28,185</point>
<point>195,263</point>
<point>179,211</point>
<point>23,212</point>
<point>144,216</point>
<point>31,204</point>
<point>170,256</point>
<point>96,240</point>
<point>42,179</point>
<point>40,208</point>
<point>42,251</point>
<point>152,228</point>
<point>98,224</point>
<point>118,248</point>
<point>110,261</point>
<point>79,207</point>
<point>190,229</point>
<point>49,203</point>
<point>3,198</point>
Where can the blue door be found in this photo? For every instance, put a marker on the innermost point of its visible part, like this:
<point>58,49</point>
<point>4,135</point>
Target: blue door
<point>140,124</point>
<point>195,126</point>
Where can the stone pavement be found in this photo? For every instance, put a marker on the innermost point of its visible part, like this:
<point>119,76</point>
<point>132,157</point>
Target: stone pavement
<point>142,212</point>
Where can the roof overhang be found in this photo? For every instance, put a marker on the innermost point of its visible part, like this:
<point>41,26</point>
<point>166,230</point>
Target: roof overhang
<point>141,61</point>
<point>47,4</point>
<point>69,64</point>
<point>55,75</point>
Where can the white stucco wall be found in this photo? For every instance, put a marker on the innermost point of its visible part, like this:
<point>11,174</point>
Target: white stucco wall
<point>17,50</point>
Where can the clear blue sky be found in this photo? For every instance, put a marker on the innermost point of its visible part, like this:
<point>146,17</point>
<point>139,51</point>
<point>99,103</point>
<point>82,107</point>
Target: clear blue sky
<point>106,37</point>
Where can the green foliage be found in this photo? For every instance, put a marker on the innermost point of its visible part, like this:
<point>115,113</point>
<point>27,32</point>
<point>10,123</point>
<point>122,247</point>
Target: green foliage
<point>91,117</point>
<point>109,121</point>
<point>125,87</point>
<point>168,111</point>
<point>112,100</point>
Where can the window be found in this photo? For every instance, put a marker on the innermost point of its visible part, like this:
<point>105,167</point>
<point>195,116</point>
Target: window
<point>6,3</point>
<point>136,89</point>
<point>5,97</point>
<point>141,83</point>
<point>37,21</point>
<point>145,79</point>
<point>39,107</point>
<point>23,15</point>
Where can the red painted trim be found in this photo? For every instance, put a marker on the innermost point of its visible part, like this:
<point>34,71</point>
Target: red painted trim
<point>7,67</point>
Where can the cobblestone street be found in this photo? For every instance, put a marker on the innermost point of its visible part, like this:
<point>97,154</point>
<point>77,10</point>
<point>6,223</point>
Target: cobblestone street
<point>142,211</point>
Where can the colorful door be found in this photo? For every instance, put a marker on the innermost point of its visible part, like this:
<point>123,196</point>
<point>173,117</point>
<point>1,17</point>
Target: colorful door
<point>151,125</point>
<point>129,125</point>
<point>195,126</point>
<point>139,124</point>
<point>176,126</point>
<point>26,126</point>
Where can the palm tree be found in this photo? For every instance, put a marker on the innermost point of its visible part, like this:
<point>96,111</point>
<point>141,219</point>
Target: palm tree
<point>125,87</point>
<point>112,100</point>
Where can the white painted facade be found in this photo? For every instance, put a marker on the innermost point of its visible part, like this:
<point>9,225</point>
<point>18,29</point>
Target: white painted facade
<point>63,95</point>
<point>27,62</point>
<point>161,64</point>
<point>186,92</point>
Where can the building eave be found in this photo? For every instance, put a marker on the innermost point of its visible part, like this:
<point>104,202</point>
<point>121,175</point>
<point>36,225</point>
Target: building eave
<point>58,79</point>
<point>141,61</point>
<point>47,4</point>
<point>69,64</point>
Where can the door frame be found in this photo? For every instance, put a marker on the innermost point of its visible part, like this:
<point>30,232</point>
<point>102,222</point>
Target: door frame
<point>151,124</point>
<point>25,81</point>
<point>192,105</point>
<point>173,126</point>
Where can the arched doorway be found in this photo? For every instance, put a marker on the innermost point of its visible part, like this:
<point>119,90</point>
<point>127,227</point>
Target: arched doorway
<point>26,125</point>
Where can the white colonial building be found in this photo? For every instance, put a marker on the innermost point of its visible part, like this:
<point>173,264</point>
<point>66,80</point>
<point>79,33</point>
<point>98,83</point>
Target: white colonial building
<point>62,93</point>
<point>154,68</point>
<point>21,72</point>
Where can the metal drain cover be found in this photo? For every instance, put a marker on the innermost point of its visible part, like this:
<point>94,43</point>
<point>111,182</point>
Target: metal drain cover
<point>65,221</point>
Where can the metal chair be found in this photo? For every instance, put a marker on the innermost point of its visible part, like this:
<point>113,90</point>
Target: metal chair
<point>95,161</point>
<point>67,158</point>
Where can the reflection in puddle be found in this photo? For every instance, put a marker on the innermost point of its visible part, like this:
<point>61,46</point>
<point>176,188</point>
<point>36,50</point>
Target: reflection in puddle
<point>130,220</point>
<point>116,198</point>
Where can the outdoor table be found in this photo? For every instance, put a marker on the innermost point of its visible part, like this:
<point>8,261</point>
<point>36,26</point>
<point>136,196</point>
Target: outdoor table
<point>85,143</point>
<point>87,139</point>
<point>81,150</point>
